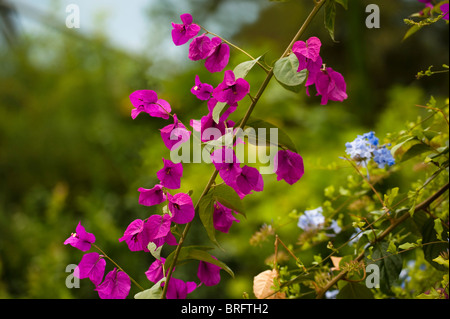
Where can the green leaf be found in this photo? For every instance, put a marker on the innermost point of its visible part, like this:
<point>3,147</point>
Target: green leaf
<point>411,31</point>
<point>205,212</point>
<point>390,265</point>
<point>440,260</point>
<point>183,254</point>
<point>330,17</point>
<point>242,69</point>
<point>354,290</point>
<point>206,257</point>
<point>390,196</point>
<point>225,195</point>
<point>285,71</point>
<point>392,248</point>
<point>395,148</point>
<point>198,253</point>
<point>432,251</point>
<point>228,197</point>
<point>415,150</point>
<point>217,110</point>
<point>343,3</point>
<point>284,140</point>
<point>407,246</point>
<point>154,250</point>
<point>154,292</point>
<point>438,228</point>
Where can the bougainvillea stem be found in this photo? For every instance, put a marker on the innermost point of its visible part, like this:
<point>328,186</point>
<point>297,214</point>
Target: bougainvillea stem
<point>318,5</point>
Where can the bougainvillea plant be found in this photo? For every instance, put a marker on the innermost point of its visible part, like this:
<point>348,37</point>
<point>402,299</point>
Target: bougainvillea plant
<point>300,66</point>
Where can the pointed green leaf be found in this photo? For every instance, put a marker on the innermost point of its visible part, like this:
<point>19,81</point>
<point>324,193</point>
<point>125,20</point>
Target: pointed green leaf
<point>206,257</point>
<point>197,253</point>
<point>154,292</point>
<point>228,197</point>
<point>415,150</point>
<point>395,148</point>
<point>154,250</point>
<point>183,254</point>
<point>411,31</point>
<point>284,140</point>
<point>205,212</point>
<point>354,290</point>
<point>390,265</point>
<point>218,110</point>
<point>330,17</point>
<point>242,69</point>
<point>343,3</point>
<point>432,251</point>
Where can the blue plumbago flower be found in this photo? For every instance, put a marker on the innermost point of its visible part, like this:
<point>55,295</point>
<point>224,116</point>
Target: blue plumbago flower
<point>335,227</point>
<point>360,149</point>
<point>365,147</point>
<point>371,138</point>
<point>311,219</point>
<point>382,156</point>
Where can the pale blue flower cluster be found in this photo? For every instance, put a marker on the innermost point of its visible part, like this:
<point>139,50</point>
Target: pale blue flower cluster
<point>365,147</point>
<point>314,219</point>
<point>311,219</point>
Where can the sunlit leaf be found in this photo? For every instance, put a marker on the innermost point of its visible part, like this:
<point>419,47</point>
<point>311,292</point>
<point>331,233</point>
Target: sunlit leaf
<point>263,283</point>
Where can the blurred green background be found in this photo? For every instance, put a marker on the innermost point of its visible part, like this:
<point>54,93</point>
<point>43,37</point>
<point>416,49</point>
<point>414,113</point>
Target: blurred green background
<point>69,150</point>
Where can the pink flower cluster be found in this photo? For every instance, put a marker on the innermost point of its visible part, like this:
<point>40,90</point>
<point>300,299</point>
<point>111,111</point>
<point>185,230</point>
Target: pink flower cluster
<point>178,206</point>
<point>329,83</point>
<point>115,285</point>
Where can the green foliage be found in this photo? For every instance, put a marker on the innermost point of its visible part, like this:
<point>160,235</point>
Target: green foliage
<point>70,152</point>
<point>285,71</point>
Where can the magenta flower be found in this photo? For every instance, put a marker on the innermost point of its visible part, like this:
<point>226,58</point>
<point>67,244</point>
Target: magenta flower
<point>181,208</point>
<point>445,9</point>
<point>182,33</point>
<point>137,235</point>
<point>169,239</point>
<point>170,175</point>
<point>226,162</point>
<point>312,67</point>
<point>248,180</point>
<point>231,90</point>
<point>178,289</point>
<point>91,266</point>
<point>153,196</point>
<point>174,134</point>
<point>309,49</point>
<point>209,129</point>
<point>223,218</point>
<point>202,90</point>
<point>308,57</point>
<point>200,48</point>
<point>158,226</point>
<point>208,273</point>
<point>81,239</point>
<point>147,101</point>
<point>116,285</point>
<point>331,85</point>
<point>288,166</point>
<point>218,57</point>
<point>155,271</point>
